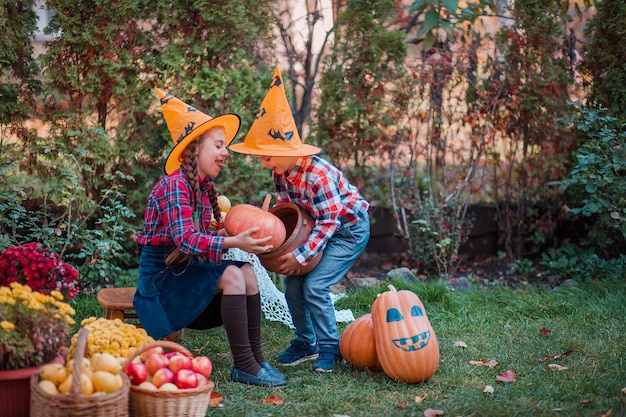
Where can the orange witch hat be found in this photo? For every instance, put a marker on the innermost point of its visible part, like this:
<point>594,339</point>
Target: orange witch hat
<point>274,131</point>
<point>186,123</point>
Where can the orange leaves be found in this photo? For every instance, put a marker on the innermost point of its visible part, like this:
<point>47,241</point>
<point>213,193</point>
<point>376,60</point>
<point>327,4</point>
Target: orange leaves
<point>492,363</point>
<point>216,399</point>
<point>418,399</point>
<point>273,400</point>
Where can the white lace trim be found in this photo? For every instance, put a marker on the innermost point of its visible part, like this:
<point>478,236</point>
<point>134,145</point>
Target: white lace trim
<point>273,301</point>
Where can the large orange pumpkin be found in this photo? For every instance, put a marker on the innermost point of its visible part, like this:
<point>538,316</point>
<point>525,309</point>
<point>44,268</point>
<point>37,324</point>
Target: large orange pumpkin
<point>406,343</point>
<point>245,216</point>
<point>357,344</point>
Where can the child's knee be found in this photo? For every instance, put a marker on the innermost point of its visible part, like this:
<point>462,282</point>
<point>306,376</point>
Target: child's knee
<point>232,281</point>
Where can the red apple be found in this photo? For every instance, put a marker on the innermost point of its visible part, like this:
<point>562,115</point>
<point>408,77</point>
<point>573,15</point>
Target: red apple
<point>137,372</point>
<point>202,365</point>
<point>162,376</point>
<point>180,361</point>
<point>202,380</point>
<point>168,355</point>
<point>157,349</point>
<point>186,378</point>
<point>155,362</point>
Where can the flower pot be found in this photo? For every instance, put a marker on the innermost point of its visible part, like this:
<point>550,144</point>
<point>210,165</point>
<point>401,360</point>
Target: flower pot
<point>298,226</point>
<point>15,390</point>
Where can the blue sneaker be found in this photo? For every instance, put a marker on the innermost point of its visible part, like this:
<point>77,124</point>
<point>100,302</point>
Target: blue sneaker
<point>298,352</point>
<point>328,359</point>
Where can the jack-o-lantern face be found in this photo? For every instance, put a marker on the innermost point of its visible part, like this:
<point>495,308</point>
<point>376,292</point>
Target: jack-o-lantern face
<point>411,342</point>
<point>406,344</point>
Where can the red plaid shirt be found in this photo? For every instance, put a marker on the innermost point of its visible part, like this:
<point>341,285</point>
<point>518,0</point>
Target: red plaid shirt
<point>321,190</point>
<point>168,218</point>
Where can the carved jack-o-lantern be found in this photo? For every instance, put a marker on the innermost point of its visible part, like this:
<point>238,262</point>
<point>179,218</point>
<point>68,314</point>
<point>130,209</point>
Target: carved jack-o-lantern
<point>406,344</point>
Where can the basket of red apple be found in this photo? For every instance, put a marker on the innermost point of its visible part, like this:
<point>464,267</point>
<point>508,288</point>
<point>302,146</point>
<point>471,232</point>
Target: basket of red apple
<point>167,380</point>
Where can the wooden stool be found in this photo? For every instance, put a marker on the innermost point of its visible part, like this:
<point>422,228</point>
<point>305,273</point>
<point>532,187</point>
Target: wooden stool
<point>119,305</point>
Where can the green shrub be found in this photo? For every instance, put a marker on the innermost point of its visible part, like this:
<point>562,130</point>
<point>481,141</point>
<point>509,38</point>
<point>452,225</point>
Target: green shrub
<point>51,206</point>
<point>595,187</point>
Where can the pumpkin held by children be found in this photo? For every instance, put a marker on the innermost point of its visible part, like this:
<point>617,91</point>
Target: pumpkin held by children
<point>406,343</point>
<point>242,217</point>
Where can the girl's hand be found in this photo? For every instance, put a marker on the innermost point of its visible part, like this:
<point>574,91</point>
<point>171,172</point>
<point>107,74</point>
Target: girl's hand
<point>246,242</point>
<point>289,265</point>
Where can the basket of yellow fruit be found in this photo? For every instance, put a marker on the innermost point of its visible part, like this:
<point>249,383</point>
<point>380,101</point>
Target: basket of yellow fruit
<point>87,387</point>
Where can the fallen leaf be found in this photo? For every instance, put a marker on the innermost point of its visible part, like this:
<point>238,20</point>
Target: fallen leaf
<point>506,376</point>
<point>624,390</point>
<point>585,402</point>
<point>488,389</point>
<point>608,413</point>
<point>403,404</point>
<point>273,399</point>
<point>429,412</point>
<point>556,357</point>
<point>460,343</point>
<point>492,363</point>
<point>419,399</point>
<point>216,399</point>
<point>557,367</point>
<point>543,330</point>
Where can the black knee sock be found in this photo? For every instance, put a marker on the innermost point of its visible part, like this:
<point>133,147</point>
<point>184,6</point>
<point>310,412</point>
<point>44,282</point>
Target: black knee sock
<point>254,326</point>
<point>235,319</point>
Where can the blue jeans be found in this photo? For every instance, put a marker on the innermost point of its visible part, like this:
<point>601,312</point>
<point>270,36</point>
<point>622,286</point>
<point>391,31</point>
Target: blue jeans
<point>308,296</point>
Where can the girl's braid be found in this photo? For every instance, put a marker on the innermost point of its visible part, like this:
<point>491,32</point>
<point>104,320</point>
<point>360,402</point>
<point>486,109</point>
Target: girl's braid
<point>217,213</point>
<point>189,166</point>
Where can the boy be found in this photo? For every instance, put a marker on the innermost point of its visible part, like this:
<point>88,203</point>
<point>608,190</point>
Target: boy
<point>341,228</point>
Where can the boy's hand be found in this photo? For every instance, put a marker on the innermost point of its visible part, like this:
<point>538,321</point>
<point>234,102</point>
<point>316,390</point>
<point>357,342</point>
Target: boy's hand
<point>289,265</point>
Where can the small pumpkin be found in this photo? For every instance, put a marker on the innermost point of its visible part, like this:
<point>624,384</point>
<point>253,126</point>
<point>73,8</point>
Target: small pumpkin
<point>242,217</point>
<point>357,344</point>
<point>406,343</point>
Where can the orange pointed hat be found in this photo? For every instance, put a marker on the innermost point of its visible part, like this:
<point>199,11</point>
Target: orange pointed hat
<point>274,131</point>
<point>186,123</point>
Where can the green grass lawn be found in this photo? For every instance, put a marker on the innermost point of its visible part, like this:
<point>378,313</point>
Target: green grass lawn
<point>581,328</point>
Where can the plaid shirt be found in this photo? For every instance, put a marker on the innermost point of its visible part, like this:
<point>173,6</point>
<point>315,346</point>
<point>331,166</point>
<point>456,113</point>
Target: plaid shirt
<point>168,219</point>
<point>321,190</point>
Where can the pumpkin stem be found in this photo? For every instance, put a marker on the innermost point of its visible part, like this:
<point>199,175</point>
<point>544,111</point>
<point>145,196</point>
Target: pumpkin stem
<point>266,202</point>
<point>392,288</point>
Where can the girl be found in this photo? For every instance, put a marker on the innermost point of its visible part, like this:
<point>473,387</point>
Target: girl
<point>183,281</point>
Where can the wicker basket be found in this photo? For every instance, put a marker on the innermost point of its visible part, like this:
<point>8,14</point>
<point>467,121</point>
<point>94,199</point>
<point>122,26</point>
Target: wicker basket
<point>183,403</point>
<point>74,404</point>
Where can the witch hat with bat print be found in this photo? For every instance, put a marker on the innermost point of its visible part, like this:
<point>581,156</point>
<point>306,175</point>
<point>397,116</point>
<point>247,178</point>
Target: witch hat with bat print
<point>186,123</point>
<point>274,131</point>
